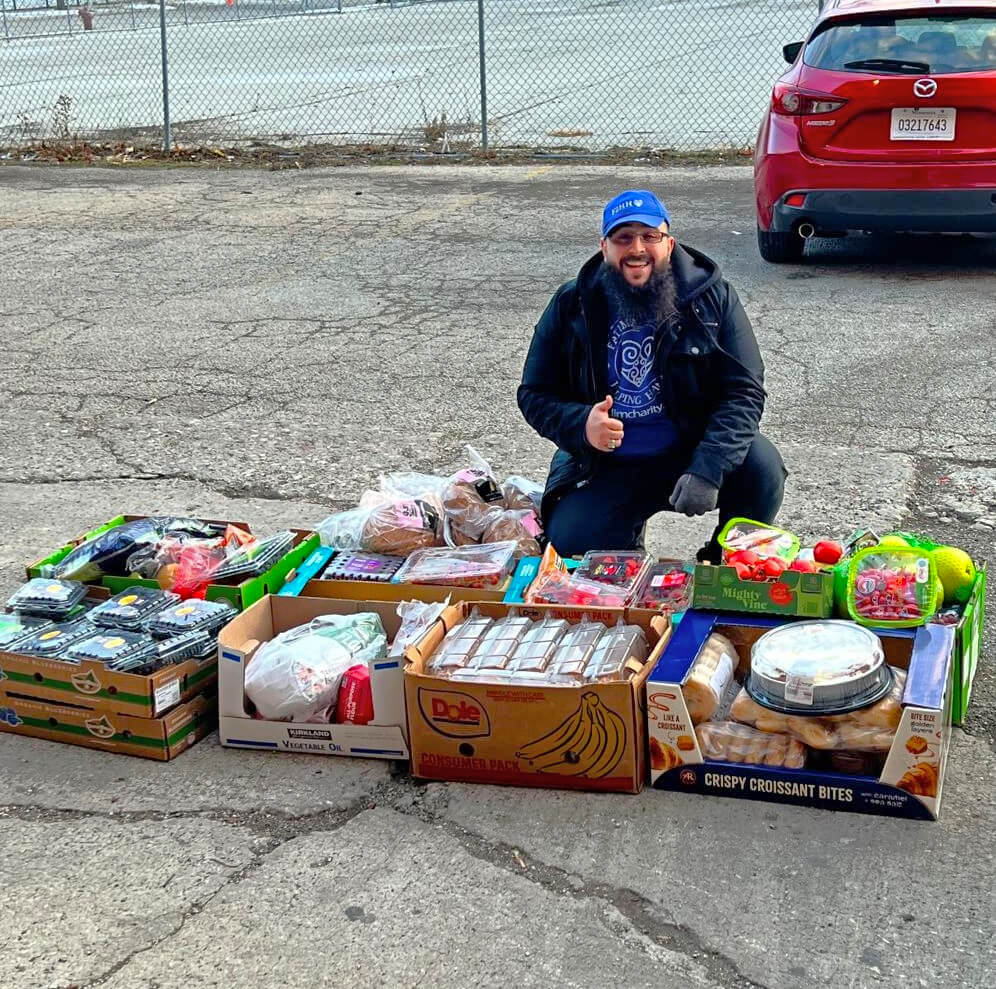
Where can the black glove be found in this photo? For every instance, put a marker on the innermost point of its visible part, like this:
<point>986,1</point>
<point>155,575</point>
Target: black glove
<point>693,496</point>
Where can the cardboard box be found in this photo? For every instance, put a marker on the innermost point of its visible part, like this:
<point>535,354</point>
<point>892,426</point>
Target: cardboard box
<point>483,733</point>
<point>92,685</point>
<point>151,738</point>
<point>927,655</point>
<point>238,642</point>
<point>802,595</point>
<point>240,595</point>
<point>968,647</point>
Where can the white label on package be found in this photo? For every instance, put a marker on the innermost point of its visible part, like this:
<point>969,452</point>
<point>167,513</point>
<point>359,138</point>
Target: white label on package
<point>799,690</point>
<point>721,676</point>
<point>922,570</point>
<point>166,696</point>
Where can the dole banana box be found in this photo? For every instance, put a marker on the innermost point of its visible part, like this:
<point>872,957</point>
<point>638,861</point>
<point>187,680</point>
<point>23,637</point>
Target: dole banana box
<point>587,737</point>
<point>905,779</point>
<point>238,643</point>
<point>150,738</point>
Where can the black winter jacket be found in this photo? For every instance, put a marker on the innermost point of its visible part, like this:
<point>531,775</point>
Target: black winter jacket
<point>711,372</point>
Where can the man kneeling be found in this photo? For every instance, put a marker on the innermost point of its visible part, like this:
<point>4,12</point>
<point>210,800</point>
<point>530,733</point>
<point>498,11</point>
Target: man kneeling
<point>645,372</point>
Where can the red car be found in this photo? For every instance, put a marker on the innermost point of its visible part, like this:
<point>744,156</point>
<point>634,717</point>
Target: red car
<point>885,122</point>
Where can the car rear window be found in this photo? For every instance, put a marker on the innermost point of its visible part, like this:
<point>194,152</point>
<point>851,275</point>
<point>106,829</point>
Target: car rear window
<point>934,44</point>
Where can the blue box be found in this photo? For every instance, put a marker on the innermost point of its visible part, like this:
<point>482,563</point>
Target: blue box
<point>912,771</point>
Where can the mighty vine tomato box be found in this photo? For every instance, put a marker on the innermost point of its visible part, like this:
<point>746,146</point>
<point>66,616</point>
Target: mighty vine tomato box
<point>799,595</point>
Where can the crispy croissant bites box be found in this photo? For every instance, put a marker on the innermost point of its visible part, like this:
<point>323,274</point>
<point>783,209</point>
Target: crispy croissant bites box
<point>888,758</point>
<point>509,733</point>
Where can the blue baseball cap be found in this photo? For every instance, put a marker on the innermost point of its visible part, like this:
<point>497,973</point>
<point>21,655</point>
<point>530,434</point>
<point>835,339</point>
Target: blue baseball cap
<point>634,206</point>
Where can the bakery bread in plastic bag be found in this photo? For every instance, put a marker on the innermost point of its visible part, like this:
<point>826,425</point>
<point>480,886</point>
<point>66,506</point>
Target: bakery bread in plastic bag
<point>521,494</point>
<point>869,729</point>
<point>733,742</point>
<point>710,677</point>
<point>522,527</point>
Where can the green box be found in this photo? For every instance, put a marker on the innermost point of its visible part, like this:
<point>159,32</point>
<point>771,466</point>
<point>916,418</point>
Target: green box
<point>240,595</point>
<point>802,595</point>
<point>968,648</point>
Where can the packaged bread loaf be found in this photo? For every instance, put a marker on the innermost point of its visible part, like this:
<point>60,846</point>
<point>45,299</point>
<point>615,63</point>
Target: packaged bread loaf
<point>710,676</point>
<point>470,498</point>
<point>869,729</point>
<point>521,494</point>
<point>732,742</point>
<point>522,527</point>
<point>399,527</point>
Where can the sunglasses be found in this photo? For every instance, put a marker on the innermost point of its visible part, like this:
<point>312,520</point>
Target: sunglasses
<point>626,238</point>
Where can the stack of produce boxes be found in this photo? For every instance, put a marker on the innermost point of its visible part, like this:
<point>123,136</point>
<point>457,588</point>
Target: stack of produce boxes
<point>94,653</point>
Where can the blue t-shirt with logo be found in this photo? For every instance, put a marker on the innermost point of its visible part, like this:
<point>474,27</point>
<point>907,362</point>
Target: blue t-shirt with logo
<point>635,387</point>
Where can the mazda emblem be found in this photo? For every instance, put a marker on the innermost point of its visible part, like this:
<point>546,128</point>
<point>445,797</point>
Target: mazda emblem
<point>924,88</point>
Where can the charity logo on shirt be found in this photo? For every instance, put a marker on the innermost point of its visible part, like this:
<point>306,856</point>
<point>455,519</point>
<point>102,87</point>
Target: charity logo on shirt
<point>633,379</point>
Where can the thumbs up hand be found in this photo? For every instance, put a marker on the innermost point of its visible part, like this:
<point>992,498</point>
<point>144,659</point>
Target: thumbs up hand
<point>602,431</point>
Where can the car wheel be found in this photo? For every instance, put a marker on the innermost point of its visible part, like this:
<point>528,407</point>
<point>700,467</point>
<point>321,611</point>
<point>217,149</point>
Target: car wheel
<point>779,247</point>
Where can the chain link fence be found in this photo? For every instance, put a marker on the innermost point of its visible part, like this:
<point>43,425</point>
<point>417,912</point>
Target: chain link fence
<point>588,76</point>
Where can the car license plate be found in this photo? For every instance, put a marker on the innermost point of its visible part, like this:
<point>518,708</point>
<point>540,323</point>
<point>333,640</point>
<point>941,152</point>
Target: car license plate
<point>923,123</point>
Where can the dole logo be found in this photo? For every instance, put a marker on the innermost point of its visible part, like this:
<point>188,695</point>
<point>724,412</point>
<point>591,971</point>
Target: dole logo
<point>100,727</point>
<point>86,683</point>
<point>453,714</point>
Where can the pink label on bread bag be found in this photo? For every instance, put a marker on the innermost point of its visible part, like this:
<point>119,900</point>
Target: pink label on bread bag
<point>531,524</point>
<point>408,515</point>
<point>469,476</point>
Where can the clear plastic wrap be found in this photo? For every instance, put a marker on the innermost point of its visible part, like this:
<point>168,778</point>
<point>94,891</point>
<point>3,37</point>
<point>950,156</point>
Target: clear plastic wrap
<point>459,644</point>
<point>416,617</point>
<point>557,587</point>
<point>619,653</point>
<point>297,674</point>
<point>109,553</point>
<point>710,677</point>
<point>538,645</point>
<point>499,642</point>
<point>412,484</point>
<point>521,494</point>
<point>470,497</point>
<point>521,527</point>
<point>574,651</point>
<point>395,527</point>
<point>869,729</point>
<point>732,742</point>
<point>479,566</point>
<point>764,540</point>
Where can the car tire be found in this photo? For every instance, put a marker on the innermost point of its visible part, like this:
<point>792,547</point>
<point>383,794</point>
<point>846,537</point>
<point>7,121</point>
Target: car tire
<point>779,248</point>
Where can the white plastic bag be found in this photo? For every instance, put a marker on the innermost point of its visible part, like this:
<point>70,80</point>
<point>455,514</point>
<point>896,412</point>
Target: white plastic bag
<point>296,675</point>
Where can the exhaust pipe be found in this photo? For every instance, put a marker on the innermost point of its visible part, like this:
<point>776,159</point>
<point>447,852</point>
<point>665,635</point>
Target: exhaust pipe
<point>806,230</point>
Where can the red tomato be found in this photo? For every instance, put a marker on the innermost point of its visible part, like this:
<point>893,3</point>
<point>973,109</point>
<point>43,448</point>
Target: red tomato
<point>828,551</point>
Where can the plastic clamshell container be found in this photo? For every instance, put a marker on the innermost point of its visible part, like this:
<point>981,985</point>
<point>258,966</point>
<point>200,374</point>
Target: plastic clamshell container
<point>818,668</point>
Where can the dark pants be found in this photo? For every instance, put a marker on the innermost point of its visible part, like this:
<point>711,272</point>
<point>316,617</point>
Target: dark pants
<point>611,510</point>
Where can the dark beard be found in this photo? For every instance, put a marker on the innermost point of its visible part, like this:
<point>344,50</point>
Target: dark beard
<point>653,302</point>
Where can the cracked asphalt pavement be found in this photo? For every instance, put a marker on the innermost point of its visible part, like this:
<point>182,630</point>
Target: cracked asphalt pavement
<point>260,345</point>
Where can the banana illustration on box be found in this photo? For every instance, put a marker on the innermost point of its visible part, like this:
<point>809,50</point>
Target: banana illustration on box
<point>590,742</point>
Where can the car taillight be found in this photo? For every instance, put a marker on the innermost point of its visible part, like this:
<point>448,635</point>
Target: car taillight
<point>797,102</point>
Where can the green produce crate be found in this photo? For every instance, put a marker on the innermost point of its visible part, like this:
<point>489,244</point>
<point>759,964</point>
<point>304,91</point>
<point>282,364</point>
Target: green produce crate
<point>240,595</point>
<point>968,648</point>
